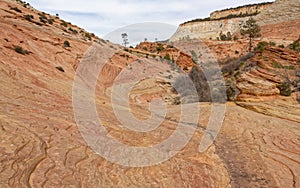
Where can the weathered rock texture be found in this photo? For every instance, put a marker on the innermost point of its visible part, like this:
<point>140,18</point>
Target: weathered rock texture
<point>41,146</point>
<point>280,12</point>
<point>242,10</point>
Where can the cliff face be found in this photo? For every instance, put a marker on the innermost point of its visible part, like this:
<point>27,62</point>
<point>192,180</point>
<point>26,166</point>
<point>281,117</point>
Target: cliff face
<point>207,29</point>
<point>281,11</point>
<point>243,10</point>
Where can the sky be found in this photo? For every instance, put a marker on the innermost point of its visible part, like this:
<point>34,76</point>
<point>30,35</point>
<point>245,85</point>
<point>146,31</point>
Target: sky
<point>106,17</point>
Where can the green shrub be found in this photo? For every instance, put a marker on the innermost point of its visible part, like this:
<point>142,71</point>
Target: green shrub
<point>277,65</point>
<point>285,89</point>
<point>20,50</point>
<point>295,46</point>
<point>235,38</point>
<point>160,48</point>
<point>67,44</point>
<point>185,68</point>
<point>261,46</point>
<point>281,46</point>
<point>167,57</point>
<point>65,24</point>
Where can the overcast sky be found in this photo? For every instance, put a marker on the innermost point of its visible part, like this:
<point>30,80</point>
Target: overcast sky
<point>104,16</point>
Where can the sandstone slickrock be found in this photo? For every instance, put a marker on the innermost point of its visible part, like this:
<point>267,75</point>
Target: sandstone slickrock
<point>41,146</point>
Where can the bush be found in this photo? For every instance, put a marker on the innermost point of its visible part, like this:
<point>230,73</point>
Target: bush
<point>272,43</point>
<point>28,17</point>
<point>261,46</point>
<point>295,46</point>
<point>65,24</point>
<point>88,35</point>
<point>74,31</point>
<point>167,57</point>
<point>67,44</point>
<point>285,89</point>
<point>43,20</point>
<point>281,46</point>
<point>277,65</point>
<point>16,9</point>
<point>50,21</point>
<point>20,50</point>
<point>160,48</point>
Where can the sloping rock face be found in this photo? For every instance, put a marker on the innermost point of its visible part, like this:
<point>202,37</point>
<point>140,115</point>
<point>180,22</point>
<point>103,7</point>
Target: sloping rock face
<point>281,11</point>
<point>207,29</point>
<point>274,66</point>
<point>41,145</point>
<point>242,10</point>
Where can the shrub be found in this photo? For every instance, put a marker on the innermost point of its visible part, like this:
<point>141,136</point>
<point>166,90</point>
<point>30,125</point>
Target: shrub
<point>160,48</point>
<point>43,20</point>
<point>277,65</point>
<point>50,21</point>
<point>74,31</point>
<point>261,46</point>
<point>295,46</point>
<point>167,57</point>
<point>235,38</point>
<point>281,46</point>
<point>16,9</point>
<point>185,68</point>
<point>285,89</point>
<point>28,17</point>
<point>60,69</point>
<point>65,24</point>
<point>88,35</point>
<point>67,44</point>
<point>20,50</point>
<point>223,37</point>
<point>272,43</point>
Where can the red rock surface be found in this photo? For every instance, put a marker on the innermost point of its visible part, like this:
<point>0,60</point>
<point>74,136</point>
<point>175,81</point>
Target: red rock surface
<point>41,145</point>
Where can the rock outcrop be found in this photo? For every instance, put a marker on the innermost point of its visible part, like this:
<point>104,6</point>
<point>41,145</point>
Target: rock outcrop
<point>252,9</point>
<point>279,12</point>
<point>42,146</point>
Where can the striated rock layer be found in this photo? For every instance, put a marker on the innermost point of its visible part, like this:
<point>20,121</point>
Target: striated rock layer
<point>280,12</point>
<point>41,145</point>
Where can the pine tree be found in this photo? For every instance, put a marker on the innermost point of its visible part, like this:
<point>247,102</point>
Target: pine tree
<point>252,30</point>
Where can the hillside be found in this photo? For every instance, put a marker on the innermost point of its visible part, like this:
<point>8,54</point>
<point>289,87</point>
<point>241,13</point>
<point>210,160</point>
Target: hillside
<point>269,16</point>
<point>45,63</point>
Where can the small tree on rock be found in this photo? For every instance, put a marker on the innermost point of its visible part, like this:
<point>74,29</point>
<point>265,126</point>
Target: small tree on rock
<point>252,30</point>
<point>125,39</point>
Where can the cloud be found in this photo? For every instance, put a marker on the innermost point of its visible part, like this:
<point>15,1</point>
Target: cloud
<point>103,17</point>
